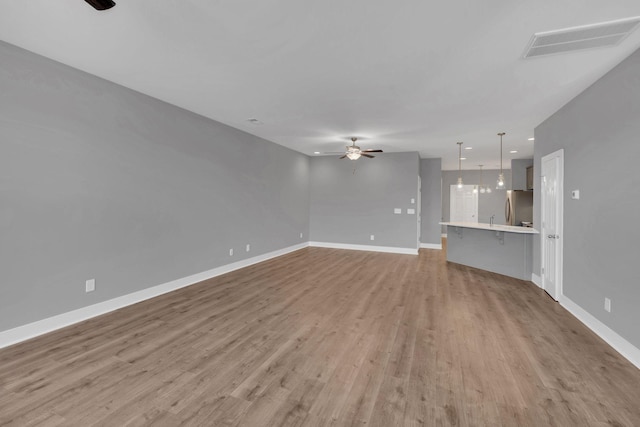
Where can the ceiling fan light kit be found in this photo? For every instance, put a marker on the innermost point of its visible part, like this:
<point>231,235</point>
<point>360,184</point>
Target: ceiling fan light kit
<point>101,4</point>
<point>354,152</point>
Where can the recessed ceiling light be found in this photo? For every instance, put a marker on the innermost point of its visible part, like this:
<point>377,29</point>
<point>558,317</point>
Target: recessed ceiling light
<point>463,158</point>
<point>513,151</point>
<point>316,152</point>
<point>468,148</point>
<point>532,139</point>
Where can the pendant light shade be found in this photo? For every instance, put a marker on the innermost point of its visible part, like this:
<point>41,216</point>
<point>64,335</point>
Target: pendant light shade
<point>500,185</point>
<point>483,188</point>
<point>460,183</point>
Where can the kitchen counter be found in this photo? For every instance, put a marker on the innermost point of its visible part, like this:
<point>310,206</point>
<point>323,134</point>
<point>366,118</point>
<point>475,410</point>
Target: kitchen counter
<point>493,227</point>
<point>502,249</point>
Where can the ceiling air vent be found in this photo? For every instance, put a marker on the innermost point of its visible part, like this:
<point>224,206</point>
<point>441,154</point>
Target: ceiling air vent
<point>577,38</point>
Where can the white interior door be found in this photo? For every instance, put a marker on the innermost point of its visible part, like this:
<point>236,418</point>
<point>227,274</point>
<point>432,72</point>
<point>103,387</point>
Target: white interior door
<point>551,227</point>
<point>463,204</point>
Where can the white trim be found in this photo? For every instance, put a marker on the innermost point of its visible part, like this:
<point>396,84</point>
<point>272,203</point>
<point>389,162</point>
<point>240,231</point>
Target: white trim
<point>389,249</point>
<point>621,345</point>
<point>40,327</point>
<point>431,246</point>
<point>537,280</point>
<point>444,235</point>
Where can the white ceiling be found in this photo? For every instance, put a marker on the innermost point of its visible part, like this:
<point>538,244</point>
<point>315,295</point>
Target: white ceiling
<point>403,75</point>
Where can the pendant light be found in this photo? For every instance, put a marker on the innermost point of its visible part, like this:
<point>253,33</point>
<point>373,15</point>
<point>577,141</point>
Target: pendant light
<point>500,185</point>
<point>460,184</point>
<point>483,188</point>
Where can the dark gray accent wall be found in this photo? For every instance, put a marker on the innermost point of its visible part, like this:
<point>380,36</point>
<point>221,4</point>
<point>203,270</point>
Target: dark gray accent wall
<point>351,200</point>
<point>488,203</point>
<point>431,198</point>
<point>98,181</point>
<point>519,173</point>
<point>599,131</point>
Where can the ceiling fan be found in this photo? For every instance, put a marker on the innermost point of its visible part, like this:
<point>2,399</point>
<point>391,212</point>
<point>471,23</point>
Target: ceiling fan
<point>354,152</point>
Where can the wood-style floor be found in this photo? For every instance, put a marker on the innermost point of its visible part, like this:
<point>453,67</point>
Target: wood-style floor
<point>327,337</point>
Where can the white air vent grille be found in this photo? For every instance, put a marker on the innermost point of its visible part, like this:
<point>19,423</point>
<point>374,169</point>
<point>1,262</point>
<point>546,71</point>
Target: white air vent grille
<point>579,38</point>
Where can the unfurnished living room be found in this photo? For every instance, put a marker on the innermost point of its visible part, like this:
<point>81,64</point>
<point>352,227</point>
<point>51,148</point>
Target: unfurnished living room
<point>292,213</point>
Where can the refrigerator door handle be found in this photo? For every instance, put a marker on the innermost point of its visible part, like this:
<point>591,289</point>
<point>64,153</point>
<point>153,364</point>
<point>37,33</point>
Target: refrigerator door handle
<point>507,211</point>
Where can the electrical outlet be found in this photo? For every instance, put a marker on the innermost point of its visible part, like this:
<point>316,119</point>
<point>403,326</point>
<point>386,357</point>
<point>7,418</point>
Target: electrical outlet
<point>413,201</point>
<point>231,252</point>
<point>301,235</point>
<point>607,304</point>
<point>248,247</point>
<point>373,237</point>
<point>90,285</point>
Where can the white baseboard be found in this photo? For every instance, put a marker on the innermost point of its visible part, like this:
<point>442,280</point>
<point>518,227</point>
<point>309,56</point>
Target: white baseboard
<point>40,327</point>
<point>431,246</point>
<point>537,280</point>
<point>389,249</point>
<point>621,345</point>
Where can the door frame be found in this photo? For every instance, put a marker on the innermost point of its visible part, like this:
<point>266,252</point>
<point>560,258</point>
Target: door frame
<point>559,224</point>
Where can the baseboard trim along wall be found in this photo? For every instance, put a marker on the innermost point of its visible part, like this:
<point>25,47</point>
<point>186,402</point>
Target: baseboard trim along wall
<point>388,249</point>
<point>537,280</point>
<point>621,345</point>
<point>40,327</point>
<point>431,246</point>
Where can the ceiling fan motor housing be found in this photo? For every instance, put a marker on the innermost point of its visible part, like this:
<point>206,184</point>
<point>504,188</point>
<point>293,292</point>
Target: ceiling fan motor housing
<point>101,4</point>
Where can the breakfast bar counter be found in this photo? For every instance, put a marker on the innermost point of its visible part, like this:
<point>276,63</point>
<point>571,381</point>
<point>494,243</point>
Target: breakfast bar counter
<point>502,249</point>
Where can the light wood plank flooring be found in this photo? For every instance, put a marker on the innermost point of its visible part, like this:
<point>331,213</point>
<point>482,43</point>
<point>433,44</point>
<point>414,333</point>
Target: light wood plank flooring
<point>327,337</point>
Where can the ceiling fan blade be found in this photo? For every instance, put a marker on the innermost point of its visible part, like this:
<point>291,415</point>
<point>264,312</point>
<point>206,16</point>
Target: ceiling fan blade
<point>373,151</point>
<point>367,155</point>
<point>343,156</point>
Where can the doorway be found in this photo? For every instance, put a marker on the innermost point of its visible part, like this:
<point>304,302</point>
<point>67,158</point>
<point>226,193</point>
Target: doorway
<point>463,204</point>
<point>551,240</point>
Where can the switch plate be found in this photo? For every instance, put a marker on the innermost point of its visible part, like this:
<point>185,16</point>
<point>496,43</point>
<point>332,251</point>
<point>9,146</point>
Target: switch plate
<point>90,285</point>
<point>397,210</point>
<point>231,252</point>
<point>575,194</point>
<point>248,247</point>
<point>301,235</point>
<point>373,237</point>
<point>413,201</point>
<point>411,211</point>
<point>607,304</point>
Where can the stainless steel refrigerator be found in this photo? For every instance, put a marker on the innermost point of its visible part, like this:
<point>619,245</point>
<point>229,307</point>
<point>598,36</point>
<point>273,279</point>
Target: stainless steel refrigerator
<point>518,208</point>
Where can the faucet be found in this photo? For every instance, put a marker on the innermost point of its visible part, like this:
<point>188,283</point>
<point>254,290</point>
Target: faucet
<point>491,219</point>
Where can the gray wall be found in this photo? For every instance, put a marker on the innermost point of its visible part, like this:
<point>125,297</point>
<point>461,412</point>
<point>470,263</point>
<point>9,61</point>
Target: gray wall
<point>519,173</point>
<point>599,132</point>
<point>431,197</point>
<point>98,181</point>
<point>488,203</point>
<point>350,200</point>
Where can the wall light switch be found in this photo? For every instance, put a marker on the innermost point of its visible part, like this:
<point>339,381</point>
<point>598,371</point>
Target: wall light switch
<point>248,247</point>
<point>413,201</point>
<point>411,211</point>
<point>301,235</point>
<point>607,305</point>
<point>373,237</point>
<point>90,285</point>
<point>231,252</point>
<point>397,211</point>
<point>575,194</point>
